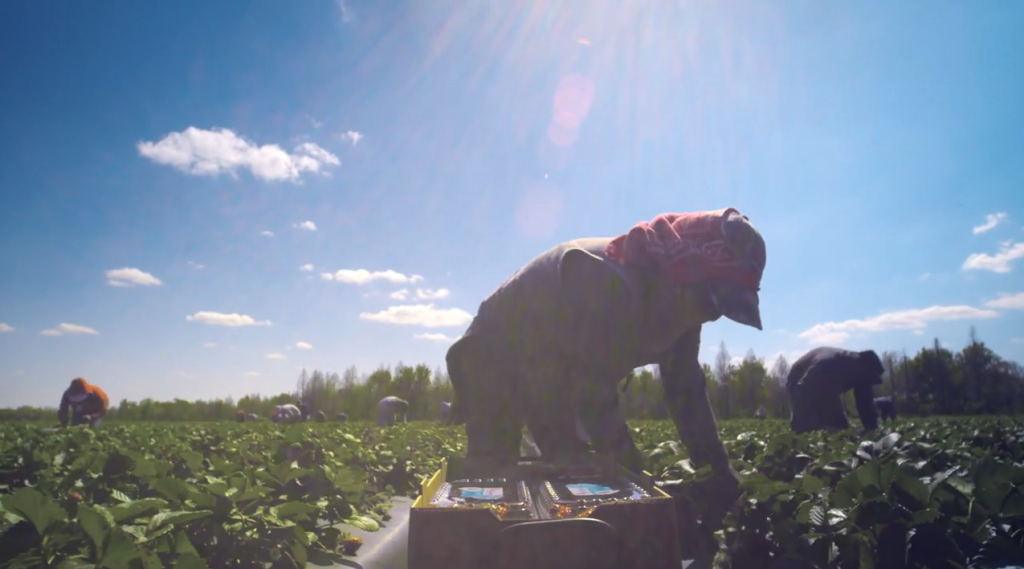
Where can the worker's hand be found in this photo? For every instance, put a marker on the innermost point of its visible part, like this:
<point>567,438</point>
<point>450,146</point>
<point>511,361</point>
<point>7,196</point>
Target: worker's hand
<point>716,496</point>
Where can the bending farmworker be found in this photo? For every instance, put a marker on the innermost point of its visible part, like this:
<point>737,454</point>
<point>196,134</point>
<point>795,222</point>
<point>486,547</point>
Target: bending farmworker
<point>818,380</point>
<point>555,339</point>
<point>87,404</point>
<point>389,407</point>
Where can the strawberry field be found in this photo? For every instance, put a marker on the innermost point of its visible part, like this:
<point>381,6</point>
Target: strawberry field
<point>930,492</point>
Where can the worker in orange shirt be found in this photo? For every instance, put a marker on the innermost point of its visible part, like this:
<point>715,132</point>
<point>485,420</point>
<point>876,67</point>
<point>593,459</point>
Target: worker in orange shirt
<point>87,403</point>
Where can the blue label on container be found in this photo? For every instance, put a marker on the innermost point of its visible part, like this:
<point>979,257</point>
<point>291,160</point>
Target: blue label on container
<point>481,493</point>
<point>590,489</point>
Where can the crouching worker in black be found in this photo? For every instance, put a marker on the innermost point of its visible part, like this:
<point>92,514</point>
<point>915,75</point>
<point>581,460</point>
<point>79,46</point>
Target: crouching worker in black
<point>886,408</point>
<point>818,380</point>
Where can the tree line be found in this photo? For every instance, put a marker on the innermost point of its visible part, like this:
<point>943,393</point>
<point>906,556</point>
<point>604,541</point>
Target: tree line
<point>936,380</point>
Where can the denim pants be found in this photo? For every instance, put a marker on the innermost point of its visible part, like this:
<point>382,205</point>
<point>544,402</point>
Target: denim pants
<point>78,418</point>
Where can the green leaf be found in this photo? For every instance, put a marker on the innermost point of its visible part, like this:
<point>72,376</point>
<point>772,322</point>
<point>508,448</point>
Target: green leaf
<point>158,533</point>
<point>190,561</point>
<point>817,517</point>
<point>915,495</point>
<point>866,554</point>
<point>171,488</point>
<point>362,522</point>
<point>292,509</point>
<point>35,507</point>
<point>117,464</point>
<point>874,513</point>
<point>136,531</point>
<point>962,485</point>
<point>120,551</point>
<point>847,492</point>
<point>811,484</point>
<point>887,442</point>
<point>124,512</point>
<point>869,475</point>
<point>176,518</point>
<point>202,499</point>
<point>75,563</point>
<point>298,553</point>
<point>348,480</point>
<point>97,523</point>
<point>285,472</point>
<point>194,460</point>
<point>151,561</point>
<point>223,466</point>
<point>925,516</point>
<point>144,468</point>
<point>220,488</point>
<point>119,496</point>
<point>182,545</point>
<point>803,512</point>
<point>302,536</point>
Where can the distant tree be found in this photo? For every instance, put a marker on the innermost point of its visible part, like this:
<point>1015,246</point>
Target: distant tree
<point>936,380</point>
<point>723,374</point>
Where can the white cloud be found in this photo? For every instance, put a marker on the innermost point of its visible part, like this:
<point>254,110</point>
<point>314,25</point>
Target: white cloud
<point>327,276</point>
<point>63,329</point>
<point>196,266</point>
<point>420,315</point>
<point>353,136</point>
<point>307,225</point>
<point>128,277</point>
<point>220,319</point>
<point>1017,340</point>
<point>1009,301</point>
<point>306,267</point>
<point>991,220</point>
<point>266,233</point>
<point>362,276</point>
<point>210,345</point>
<point>343,8</point>
<point>303,346</point>
<point>917,319</point>
<point>998,263</point>
<point>251,374</point>
<point>6,328</point>
<point>314,152</point>
<point>434,337</point>
<point>428,294</point>
<point>925,276</point>
<point>400,294</point>
<point>218,150</point>
<point>275,356</point>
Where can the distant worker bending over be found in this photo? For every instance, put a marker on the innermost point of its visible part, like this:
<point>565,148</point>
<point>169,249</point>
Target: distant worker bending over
<point>87,403</point>
<point>390,407</point>
<point>818,380</point>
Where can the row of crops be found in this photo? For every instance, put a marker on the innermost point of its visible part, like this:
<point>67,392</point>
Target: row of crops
<point>922,493</point>
<point>197,495</point>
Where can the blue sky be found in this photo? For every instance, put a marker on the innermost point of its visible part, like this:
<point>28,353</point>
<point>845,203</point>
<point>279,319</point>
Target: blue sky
<point>167,169</point>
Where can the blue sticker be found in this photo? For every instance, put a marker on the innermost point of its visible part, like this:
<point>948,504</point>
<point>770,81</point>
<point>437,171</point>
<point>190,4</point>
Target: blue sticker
<point>590,490</point>
<point>481,493</point>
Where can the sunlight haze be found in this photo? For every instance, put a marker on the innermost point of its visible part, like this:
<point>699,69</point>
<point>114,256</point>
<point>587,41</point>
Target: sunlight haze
<point>201,199</point>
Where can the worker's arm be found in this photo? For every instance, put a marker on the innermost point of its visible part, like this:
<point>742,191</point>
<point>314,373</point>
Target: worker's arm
<point>687,400</point>
<point>688,404</point>
<point>62,412</point>
<point>863,396</point>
